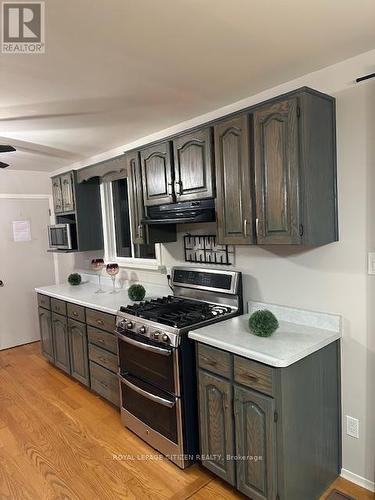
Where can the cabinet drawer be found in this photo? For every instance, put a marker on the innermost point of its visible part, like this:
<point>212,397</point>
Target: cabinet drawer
<point>103,358</point>
<point>101,320</point>
<point>253,374</point>
<point>214,360</point>
<point>102,339</point>
<point>105,383</point>
<point>44,301</point>
<point>76,312</point>
<point>58,306</point>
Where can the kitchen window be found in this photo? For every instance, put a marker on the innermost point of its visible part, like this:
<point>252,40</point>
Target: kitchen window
<point>118,241</point>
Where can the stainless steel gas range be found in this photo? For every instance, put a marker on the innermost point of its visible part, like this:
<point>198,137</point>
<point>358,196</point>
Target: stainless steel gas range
<point>157,360</point>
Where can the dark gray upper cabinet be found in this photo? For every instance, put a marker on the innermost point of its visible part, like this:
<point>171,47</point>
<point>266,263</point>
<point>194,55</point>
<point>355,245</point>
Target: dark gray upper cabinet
<point>193,164</point>
<point>157,174</point>
<point>277,173</point>
<point>79,363</point>
<point>136,196</point>
<point>234,182</point>
<point>255,437</point>
<point>57,195</point>
<point>295,170</point>
<point>46,337</point>
<point>216,424</point>
<point>67,189</point>
<point>61,342</point>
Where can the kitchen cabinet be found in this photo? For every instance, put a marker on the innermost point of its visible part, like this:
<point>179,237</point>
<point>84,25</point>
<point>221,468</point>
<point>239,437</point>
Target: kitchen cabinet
<point>61,342</point>
<point>193,165</point>
<point>136,197</point>
<point>234,182</point>
<point>46,338</point>
<point>57,195</point>
<point>216,423</point>
<point>78,351</point>
<point>82,343</point>
<point>157,174</point>
<point>255,437</point>
<point>63,193</point>
<point>255,419</point>
<point>276,172</point>
<point>67,192</point>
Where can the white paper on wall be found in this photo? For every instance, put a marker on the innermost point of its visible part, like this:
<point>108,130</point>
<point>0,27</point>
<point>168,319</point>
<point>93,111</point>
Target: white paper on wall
<point>21,230</point>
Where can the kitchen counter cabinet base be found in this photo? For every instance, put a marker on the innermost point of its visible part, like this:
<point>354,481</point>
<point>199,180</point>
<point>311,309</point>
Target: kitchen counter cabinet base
<point>299,421</point>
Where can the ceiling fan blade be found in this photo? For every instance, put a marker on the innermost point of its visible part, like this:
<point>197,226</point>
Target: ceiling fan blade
<point>3,165</point>
<point>6,148</point>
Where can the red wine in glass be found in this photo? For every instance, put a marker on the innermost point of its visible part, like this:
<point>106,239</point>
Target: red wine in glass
<point>113,269</point>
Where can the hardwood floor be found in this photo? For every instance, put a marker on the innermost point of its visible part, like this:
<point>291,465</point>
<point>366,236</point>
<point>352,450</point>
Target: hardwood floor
<point>60,441</point>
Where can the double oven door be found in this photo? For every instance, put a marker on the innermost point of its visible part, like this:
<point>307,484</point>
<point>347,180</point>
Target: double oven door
<point>150,392</point>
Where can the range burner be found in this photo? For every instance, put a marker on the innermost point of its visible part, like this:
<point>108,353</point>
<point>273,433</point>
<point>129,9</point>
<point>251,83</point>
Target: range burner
<point>175,311</point>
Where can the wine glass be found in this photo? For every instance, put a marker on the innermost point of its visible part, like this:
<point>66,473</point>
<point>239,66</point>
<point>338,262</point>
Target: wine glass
<point>112,270</point>
<point>98,265</point>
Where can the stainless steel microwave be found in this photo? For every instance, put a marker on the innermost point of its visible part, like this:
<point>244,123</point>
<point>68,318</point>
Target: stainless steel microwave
<point>62,237</point>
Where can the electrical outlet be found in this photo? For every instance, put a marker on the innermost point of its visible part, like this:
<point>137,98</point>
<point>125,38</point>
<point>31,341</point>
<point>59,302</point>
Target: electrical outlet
<point>371,263</point>
<point>352,426</point>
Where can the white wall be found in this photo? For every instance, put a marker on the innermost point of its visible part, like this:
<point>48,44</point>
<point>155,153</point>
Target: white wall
<point>331,278</point>
<point>24,182</point>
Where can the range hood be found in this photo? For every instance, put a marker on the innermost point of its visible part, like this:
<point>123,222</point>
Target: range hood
<point>181,213</point>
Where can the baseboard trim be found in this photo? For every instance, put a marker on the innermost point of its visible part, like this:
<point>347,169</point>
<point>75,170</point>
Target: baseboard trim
<point>361,481</point>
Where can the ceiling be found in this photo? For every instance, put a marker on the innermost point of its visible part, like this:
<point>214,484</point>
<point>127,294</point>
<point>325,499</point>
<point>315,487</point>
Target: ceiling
<point>117,70</point>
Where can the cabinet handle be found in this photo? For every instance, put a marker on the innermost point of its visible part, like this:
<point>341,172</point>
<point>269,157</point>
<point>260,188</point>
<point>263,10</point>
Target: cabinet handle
<point>245,227</point>
<point>257,226</point>
<point>100,322</point>
<point>178,187</point>
<point>252,378</point>
<point>140,231</point>
<point>75,314</point>
<point>170,192</point>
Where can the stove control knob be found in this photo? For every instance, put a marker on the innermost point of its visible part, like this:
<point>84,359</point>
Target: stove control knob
<point>142,330</point>
<point>165,337</point>
<point>129,325</point>
<point>156,335</point>
<point>122,324</point>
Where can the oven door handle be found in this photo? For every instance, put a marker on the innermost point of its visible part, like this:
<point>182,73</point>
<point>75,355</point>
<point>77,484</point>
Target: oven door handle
<point>145,347</point>
<point>148,395</point>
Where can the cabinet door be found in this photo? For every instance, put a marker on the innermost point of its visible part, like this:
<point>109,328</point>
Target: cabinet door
<point>136,197</point>
<point>57,195</point>
<point>255,444</point>
<point>157,174</point>
<point>216,425</point>
<point>276,173</point>
<point>67,192</point>
<point>46,338</point>
<point>61,342</point>
<point>79,361</point>
<point>193,165</point>
<point>234,182</point>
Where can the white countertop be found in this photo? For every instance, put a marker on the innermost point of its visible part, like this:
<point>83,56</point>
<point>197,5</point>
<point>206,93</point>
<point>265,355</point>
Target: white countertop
<point>84,295</point>
<point>290,343</point>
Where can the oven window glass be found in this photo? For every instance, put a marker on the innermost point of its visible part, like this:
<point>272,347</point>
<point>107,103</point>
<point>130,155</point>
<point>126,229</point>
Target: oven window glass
<point>154,414</point>
<point>154,368</point>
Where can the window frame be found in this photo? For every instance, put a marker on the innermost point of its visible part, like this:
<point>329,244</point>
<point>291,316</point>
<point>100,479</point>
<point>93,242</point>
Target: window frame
<point>109,233</point>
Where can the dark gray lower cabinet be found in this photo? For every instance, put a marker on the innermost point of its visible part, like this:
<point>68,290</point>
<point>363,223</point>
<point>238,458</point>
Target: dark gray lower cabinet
<point>61,342</point>
<point>273,433</point>
<point>78,351</point>
<point>46,338</point>
<point>255,443</point>
<point>216,423</point>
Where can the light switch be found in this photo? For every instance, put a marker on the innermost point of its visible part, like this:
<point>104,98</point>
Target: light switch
<point>371,263</point>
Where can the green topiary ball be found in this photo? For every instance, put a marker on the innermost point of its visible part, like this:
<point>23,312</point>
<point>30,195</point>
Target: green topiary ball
<point>74,279</point>
<point>263,323</point>
<point>136,292</point>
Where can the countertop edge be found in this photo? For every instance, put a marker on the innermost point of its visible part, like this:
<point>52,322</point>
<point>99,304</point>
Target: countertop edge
<point>79,302</point>
<point>262,358</point>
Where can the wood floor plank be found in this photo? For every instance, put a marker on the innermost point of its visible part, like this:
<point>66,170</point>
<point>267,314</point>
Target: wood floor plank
<point>58,440</point>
